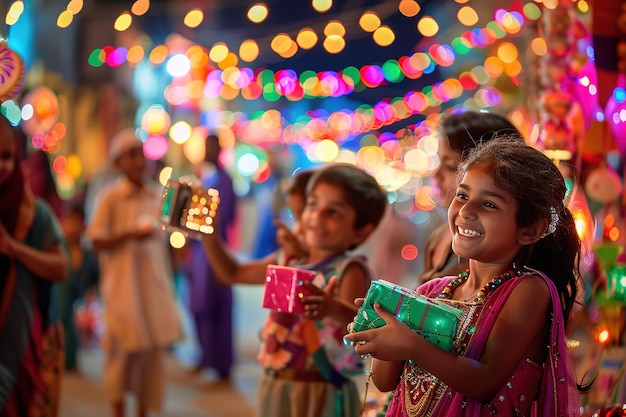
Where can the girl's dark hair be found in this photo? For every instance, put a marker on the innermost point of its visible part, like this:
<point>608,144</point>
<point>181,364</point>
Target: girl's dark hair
<point>362,191</point>
<point>297,184</point>
<point>12,190</point>
<point>538,187</point>
<point>11,193</point>
<point>466,130</point>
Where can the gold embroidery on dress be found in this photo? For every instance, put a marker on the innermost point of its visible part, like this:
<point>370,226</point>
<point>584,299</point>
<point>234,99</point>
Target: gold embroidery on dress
<point>429,393</point>
<point>423,391</point>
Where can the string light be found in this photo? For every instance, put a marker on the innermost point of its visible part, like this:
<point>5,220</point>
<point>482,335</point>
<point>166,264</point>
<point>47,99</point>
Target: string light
<point>322,6</point>
<point>75,6</point>
<point>140,7</point>
<point>228,81</point>
<point>65,19</point>
<point>369,21</point>
<point>348,79</point>
<point>193,18</point>
<point>257,13</point>
<point>409,8</point>
<point>14,13</point>
<point>123,22</point>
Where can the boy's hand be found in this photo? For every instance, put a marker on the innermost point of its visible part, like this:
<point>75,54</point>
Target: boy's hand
<point>143,231</point>
<point>288,240</point>
<point>144,228</point>
<point>320,304</point>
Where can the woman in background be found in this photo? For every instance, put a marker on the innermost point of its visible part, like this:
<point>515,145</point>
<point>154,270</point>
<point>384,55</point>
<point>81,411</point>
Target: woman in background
<point>458,133</point>
<point>31,260</point>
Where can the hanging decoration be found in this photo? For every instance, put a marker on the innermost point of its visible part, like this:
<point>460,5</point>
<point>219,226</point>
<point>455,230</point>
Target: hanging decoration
<point>11,72</point>
<point>557,137</point>
<point>226,80</point>
<point>603,185</point>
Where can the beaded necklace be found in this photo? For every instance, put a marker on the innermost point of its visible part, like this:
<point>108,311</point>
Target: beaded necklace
<point>484,292</point>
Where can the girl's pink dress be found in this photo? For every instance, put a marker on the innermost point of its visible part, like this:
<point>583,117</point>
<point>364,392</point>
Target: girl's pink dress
<point>537,390</point>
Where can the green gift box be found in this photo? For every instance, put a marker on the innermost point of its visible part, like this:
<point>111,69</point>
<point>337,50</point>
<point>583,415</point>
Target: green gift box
<point>435,321</point>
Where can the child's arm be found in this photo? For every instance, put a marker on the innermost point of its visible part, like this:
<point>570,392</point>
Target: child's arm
<point>228,269</point>
<point>386,374</point>
<point>353,284</point>
<point>520,331</point>
<point>101,225</point>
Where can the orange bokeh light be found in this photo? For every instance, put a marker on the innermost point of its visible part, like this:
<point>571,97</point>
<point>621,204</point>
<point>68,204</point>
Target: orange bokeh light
<point>409,252</point>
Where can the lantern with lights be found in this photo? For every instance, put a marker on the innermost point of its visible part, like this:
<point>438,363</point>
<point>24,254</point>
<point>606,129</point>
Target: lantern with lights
<point>188,208</point>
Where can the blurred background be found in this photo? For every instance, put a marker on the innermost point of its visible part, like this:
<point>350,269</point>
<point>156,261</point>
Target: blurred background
<point>290,84</point>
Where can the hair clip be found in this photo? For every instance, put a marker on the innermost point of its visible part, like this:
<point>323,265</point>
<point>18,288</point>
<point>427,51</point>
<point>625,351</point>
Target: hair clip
<point>554,219</point>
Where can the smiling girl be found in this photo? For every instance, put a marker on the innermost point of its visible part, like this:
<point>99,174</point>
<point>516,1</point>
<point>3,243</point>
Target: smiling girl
<point>509,356</point>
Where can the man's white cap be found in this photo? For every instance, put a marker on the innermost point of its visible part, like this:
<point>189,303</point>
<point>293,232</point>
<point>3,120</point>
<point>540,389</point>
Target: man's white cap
<point>123,142</point>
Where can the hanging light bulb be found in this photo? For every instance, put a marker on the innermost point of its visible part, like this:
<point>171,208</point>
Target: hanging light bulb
<point>584,221</point>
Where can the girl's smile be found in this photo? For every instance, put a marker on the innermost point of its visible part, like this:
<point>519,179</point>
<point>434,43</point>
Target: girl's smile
<point>468,232</point>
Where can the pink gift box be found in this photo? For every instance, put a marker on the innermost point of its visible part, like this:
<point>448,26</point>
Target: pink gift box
<point>284,288</point>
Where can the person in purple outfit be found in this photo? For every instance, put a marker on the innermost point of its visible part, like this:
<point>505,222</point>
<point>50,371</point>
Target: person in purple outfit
<point>211,302</point>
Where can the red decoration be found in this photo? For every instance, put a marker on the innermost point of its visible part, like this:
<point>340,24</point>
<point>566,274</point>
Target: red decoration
<point>557,104</point>
<point>557,137</point>
<point>613,410</point>
<point>603,185</point>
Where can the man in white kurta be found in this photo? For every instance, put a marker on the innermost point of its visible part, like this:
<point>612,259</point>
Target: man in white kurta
<point>140,317</point>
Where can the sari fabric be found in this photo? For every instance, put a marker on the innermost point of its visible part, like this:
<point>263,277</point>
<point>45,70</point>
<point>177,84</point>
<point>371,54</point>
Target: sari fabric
<point>31,348</point>
<point>30,339</point>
